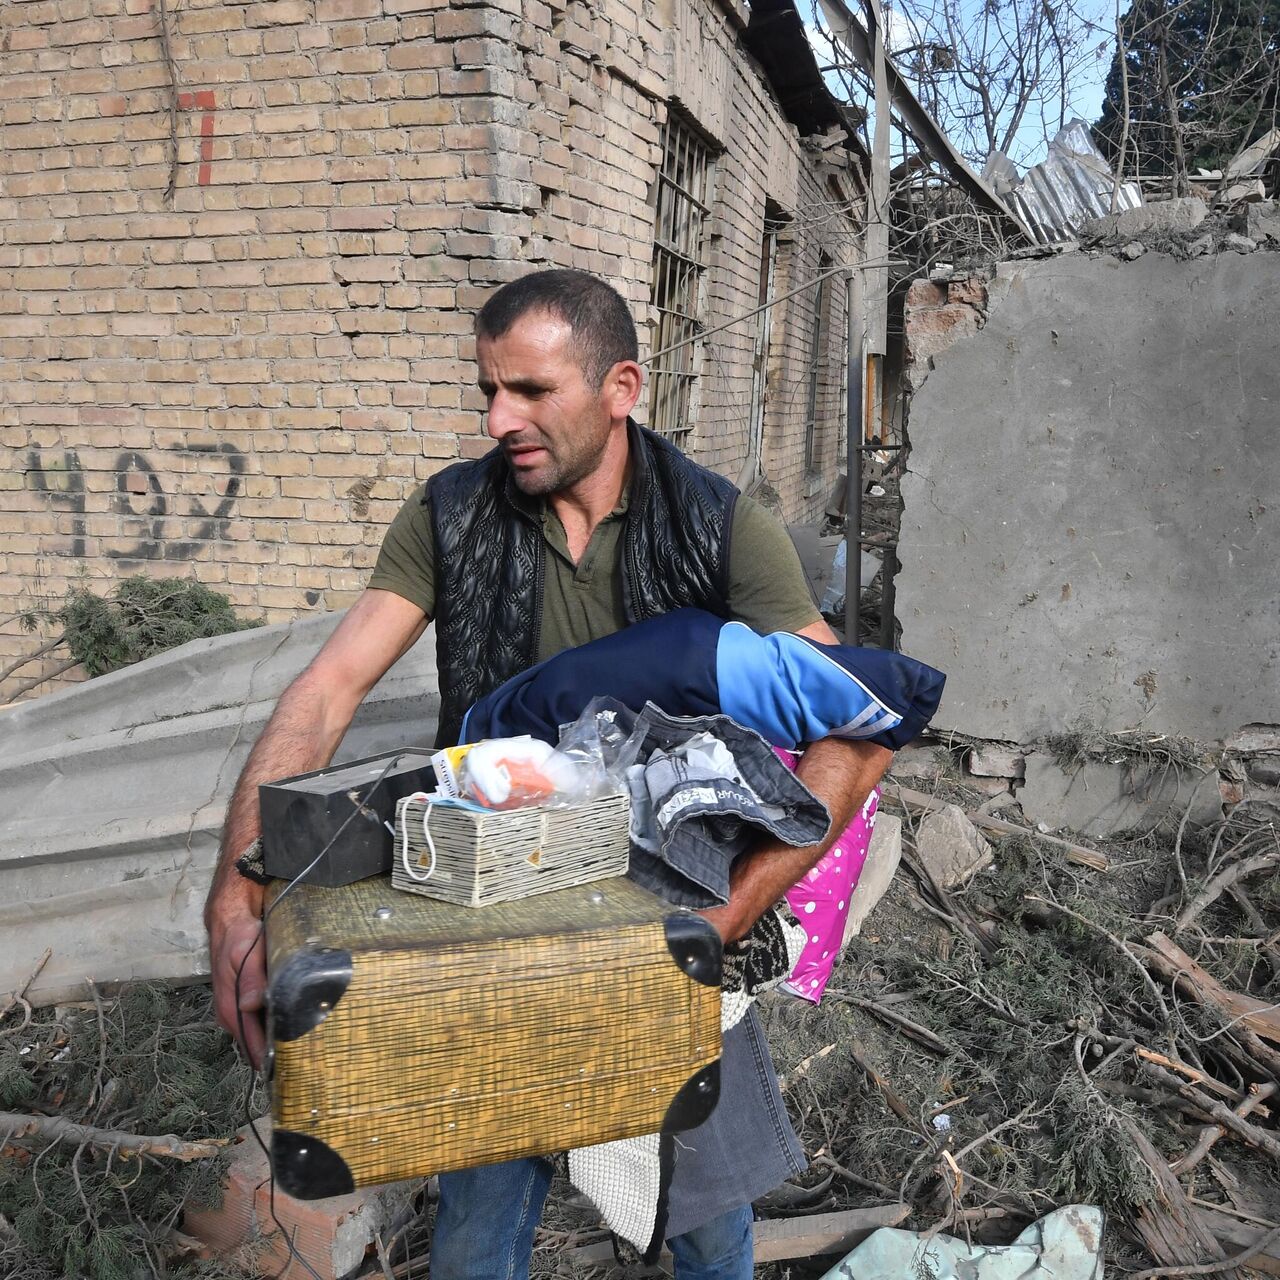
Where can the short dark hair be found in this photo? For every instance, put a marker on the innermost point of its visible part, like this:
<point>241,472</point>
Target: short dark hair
<point>603,329</point>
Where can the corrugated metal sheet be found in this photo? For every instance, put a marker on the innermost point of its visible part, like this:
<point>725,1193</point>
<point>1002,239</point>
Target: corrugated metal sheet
<point>114,793</point>
<point>1073,183</point>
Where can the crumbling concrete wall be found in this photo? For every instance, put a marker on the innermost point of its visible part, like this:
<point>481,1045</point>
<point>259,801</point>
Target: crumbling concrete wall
<point>1091,533</point>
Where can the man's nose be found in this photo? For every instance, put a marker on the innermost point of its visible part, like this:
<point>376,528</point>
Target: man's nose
<point>504,417</point>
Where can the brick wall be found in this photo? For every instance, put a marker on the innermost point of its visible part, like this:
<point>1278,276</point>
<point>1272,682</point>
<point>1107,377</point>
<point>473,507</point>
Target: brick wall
<point>938,313</point>
<point>241,384</point>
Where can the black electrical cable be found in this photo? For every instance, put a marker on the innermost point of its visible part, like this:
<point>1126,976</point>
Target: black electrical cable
<point>357,807</point>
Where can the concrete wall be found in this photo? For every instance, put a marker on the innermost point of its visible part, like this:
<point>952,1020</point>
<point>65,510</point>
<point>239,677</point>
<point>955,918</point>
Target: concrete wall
<point>1091,529</point>
<point>243,385</point>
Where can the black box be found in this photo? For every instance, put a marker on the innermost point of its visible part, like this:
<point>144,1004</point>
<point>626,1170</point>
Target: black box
<point>301,815</point>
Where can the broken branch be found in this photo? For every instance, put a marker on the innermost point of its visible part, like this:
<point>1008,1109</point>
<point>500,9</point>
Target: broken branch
<point>19,992</point>
<point>1211,1133</point>
<point>56,1129</point>
<point>858,1053</point>
<point>1257,1138</point>
<point>1223,881</point>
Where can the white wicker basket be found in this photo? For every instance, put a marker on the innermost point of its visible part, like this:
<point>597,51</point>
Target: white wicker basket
<point>477,858</point>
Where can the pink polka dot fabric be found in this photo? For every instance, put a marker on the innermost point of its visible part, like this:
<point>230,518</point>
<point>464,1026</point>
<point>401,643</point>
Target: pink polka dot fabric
<point>821,900</point>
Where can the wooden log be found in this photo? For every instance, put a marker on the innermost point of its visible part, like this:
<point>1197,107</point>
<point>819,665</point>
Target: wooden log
<point>1237,1236</point>
<point>1167,1224</point>
<point>1260,1017</point>
<point>777,1239</point>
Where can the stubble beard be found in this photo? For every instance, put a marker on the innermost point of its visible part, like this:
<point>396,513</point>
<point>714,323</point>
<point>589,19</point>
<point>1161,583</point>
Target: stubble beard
<point>559,472</point>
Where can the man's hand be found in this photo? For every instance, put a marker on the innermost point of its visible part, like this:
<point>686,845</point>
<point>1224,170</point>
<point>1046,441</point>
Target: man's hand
<point>238,952</point>
<point>304,731</point>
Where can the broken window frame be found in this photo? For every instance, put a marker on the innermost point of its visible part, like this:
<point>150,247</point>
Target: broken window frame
<point>681,224</point>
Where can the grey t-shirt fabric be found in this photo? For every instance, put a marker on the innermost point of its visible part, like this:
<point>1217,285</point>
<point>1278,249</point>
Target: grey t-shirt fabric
<point>695,808</point>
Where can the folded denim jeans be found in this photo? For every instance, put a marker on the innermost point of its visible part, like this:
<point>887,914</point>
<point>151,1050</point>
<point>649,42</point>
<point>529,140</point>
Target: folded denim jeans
<point>690,820</point>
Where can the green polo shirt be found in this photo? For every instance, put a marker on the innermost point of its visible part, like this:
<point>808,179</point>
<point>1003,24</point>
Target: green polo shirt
<point>583,602</point>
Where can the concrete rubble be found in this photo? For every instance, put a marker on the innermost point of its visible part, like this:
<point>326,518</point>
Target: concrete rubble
<point>951,848</point>
<point>1097,798</point>
<point>883,856</point>
<point>1088,498</point>
<point>1259,222</point>
<point>1168,217</point>
<point>995,760</point>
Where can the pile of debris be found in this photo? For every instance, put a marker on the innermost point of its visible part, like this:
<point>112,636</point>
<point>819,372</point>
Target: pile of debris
<point>1027,1022</point>
<point>1186,228</point>
<point>1024,1023</point>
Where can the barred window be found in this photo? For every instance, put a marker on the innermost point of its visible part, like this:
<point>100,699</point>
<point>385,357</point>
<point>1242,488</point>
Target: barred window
<point>684,193</point>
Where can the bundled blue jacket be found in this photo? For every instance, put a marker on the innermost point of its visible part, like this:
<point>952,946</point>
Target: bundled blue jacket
<point>789,689</point>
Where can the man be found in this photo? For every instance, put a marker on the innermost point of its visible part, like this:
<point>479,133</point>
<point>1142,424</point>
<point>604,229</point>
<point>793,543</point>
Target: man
<point>576,525</point>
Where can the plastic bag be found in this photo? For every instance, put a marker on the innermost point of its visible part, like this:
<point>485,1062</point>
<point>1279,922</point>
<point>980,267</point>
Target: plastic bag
<point>510,773</point>
<point>601,745</point>
<point>820,901</point>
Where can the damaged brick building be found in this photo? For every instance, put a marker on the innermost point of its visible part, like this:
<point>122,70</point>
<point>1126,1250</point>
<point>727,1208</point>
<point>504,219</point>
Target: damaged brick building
<point>241,246</point>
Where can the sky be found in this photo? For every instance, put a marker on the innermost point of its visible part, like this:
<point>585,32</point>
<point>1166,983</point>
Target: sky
<point>1086,101</point>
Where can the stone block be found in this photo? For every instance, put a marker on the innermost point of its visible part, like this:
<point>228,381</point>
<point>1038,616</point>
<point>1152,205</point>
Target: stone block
<point>951,847</point>
<point>1167,217</point>
<point>1099,798</point>
<point>878,871</point>
<point>996,760</point>
<point>334,1236</point>
<point>1260,222</point>
<point>914,764</point>
<point>1254,739</point>
<point>1238,243</point>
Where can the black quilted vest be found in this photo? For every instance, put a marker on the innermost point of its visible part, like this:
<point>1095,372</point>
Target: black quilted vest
<point>490,562</point>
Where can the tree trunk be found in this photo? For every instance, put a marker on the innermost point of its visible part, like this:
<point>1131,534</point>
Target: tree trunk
<point>1181,186</point>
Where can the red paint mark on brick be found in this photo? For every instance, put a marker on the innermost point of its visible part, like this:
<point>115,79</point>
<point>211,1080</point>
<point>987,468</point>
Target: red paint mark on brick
<point>205,102</point>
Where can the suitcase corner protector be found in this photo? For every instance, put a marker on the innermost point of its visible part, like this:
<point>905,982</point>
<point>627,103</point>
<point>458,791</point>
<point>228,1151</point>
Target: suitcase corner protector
<point>695,946</point>
<point>695,1100</point>
<point>308,1169</point>
<point>305,988</point>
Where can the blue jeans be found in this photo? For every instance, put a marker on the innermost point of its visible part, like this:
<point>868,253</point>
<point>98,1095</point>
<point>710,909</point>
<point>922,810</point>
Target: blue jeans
<point>486,1218</point>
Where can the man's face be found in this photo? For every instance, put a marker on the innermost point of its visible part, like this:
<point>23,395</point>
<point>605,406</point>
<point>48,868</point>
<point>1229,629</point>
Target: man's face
<point>553,427</point>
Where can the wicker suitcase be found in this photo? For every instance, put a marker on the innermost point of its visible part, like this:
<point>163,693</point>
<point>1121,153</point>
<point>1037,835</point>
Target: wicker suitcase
<point>411,1036</point>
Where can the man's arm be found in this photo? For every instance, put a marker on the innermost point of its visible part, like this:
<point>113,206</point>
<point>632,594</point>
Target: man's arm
<point>841,774</point>
<point>304,731</point>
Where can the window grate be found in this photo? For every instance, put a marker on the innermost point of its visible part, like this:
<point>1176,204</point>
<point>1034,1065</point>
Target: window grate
<point>678,263</point>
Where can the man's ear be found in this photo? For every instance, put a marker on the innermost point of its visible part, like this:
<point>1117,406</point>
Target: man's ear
<point>621,388</point>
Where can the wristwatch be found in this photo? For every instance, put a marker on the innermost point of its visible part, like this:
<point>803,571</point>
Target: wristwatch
<point>250,865</point>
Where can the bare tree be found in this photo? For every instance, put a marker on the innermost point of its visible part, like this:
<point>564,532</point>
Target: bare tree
<point>998,75</point>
